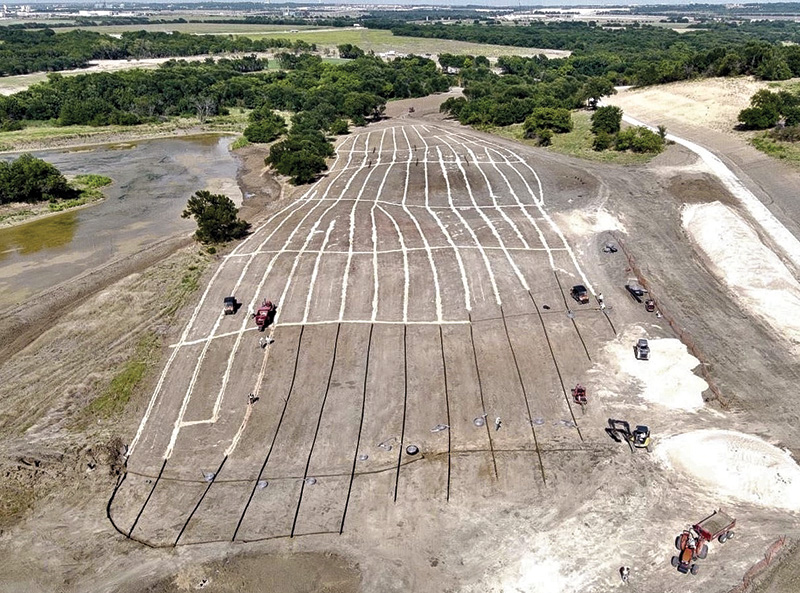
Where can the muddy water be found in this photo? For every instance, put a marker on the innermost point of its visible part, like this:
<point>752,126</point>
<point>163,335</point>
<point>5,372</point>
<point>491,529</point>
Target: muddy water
<point>153,179</point>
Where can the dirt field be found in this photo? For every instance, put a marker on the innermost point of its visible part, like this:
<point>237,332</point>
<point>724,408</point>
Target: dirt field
<point>423,295</point>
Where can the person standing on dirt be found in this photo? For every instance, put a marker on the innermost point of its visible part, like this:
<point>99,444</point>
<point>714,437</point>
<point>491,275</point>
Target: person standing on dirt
<point>624,572</point>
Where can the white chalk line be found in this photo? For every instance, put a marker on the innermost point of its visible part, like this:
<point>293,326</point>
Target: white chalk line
<point>406,271</point>
<point>226,376</point>
<point>426,244</point>
<point>315,271</point>
<point>539,203</point>
<point>375,275</point>
<point>190,325</point>
<point>469,229</point>
<point>443,228</point>
<point>352,233</point>
<point>408,249</point>
<point>486,219</point>
<point>376,322</point>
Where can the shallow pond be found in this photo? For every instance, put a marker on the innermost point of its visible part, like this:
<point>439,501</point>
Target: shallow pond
<point>153,179</point>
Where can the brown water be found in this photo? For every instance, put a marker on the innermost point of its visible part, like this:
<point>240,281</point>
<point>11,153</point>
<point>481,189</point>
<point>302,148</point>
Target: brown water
<point>153,179</point>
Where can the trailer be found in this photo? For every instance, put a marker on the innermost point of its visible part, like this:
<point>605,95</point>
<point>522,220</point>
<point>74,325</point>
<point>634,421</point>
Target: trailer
<point>692,544</point>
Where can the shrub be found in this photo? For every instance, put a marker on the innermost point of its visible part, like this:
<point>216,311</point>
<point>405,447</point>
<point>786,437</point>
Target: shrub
<point>607,119</point>
<point>216,217</point>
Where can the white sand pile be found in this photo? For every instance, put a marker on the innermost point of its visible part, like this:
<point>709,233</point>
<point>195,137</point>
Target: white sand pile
<point>582,222</point>
<point>666,379</point>
<point>736,465</point>
<point>758,279</point>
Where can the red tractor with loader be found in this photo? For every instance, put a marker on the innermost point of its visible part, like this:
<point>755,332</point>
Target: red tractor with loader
<point>692,544</point>
<point>265,314</point>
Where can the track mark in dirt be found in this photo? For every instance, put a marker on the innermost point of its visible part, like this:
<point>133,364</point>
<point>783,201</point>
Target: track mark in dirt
<point>572,318</point>
<point>316,430</point>
<point>360,428</point>
<point>200,500</point>
<point>525,395</point>
<point>405,408</point>
<point>153,489</point>
<point>447,405</point>
<point>483,402</point>
<point>274,436</point>
<point>555,363</point>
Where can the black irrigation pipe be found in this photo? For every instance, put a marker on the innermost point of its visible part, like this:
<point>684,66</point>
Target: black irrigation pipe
<point>405,407</point>
<point>447,404</point>
<point>360,427</point>
<point>572,318</point>
<point>200,501</point>
<point>274,436</point>
<point>555,363</point>
<point>316,430</point>
<point>525,395</point>
<point>480,390</point>
<point>153,489</point>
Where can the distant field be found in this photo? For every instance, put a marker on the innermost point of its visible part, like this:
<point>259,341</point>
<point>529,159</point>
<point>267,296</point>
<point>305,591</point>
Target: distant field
<point>192,27</point>
<point>377,40</point>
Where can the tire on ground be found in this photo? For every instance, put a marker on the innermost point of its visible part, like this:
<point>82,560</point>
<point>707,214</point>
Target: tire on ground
<point>675,561</point>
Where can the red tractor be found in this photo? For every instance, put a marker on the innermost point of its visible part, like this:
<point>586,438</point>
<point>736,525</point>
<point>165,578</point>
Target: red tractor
<point>265,314</point>
<point>693,542</point>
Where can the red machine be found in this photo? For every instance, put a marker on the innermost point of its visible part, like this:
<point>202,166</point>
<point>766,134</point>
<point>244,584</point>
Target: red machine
<point>265,314</point>
<point>579,396</point>
<point>693,542</point>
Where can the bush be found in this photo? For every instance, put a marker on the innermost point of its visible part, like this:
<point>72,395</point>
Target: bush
<point>639,140</point>
<point>216,217</point>
<point>547,118</point>
<point>607,119</point>
<point>602,141</point>
<point>758,118</point>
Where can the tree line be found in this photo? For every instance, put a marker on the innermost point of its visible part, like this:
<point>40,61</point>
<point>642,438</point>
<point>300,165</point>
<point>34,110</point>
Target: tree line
<point>23,51</point>
<point>642,54</point>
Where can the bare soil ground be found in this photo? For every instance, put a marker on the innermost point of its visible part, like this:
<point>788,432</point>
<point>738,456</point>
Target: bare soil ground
<point>423,292</point>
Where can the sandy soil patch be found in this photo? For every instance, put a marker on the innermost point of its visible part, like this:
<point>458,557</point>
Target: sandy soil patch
<point>758,279</point>
<point>666,379</point>
<point>712,103</point>
<point>736,465</point>
<point>585,222</point>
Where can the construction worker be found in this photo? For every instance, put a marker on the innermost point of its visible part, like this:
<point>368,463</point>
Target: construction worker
<point>497,423</point>
<point>600,300</point>
<point>251,399</point>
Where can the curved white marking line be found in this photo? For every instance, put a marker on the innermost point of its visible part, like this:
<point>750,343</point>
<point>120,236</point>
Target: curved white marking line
<point>226,377</point>
<point>314,230</point>
<point>461,269</point>
<point>782,237</point>
<point>351,235</point>
<point>540,206</point>
<point>486,219</point>
<point>190,324</point>
<point>406,274</point>
<point>314,273</point>
<point>375,281</point>
<point>425,243</point>
<point>468,228</point>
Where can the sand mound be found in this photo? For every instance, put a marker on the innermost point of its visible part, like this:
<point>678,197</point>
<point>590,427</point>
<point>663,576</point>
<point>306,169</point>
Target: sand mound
<point>736,465</point>
<point>758,279</point>
<point>582,222</point>
<point>667,378</point>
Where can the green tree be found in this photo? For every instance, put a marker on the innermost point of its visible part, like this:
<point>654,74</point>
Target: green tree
<point>29,179</point>
<point>349,51</point>
<point>607,119</point>
<point>216,217</point>
<point>547,118</point>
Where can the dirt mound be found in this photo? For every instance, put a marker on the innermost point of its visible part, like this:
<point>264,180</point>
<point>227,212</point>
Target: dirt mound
<point>759,280</point>
<point>736,465</point>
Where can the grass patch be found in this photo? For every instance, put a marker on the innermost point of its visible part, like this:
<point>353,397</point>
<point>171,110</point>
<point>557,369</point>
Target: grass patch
<point>178,294</point>
<point>89,187</point>
<point>15,501</point>
<point>90,181</point>
<point>785,151</point>
<point>577,143</point>
<point>240,142</point>
<point>113,400</point>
